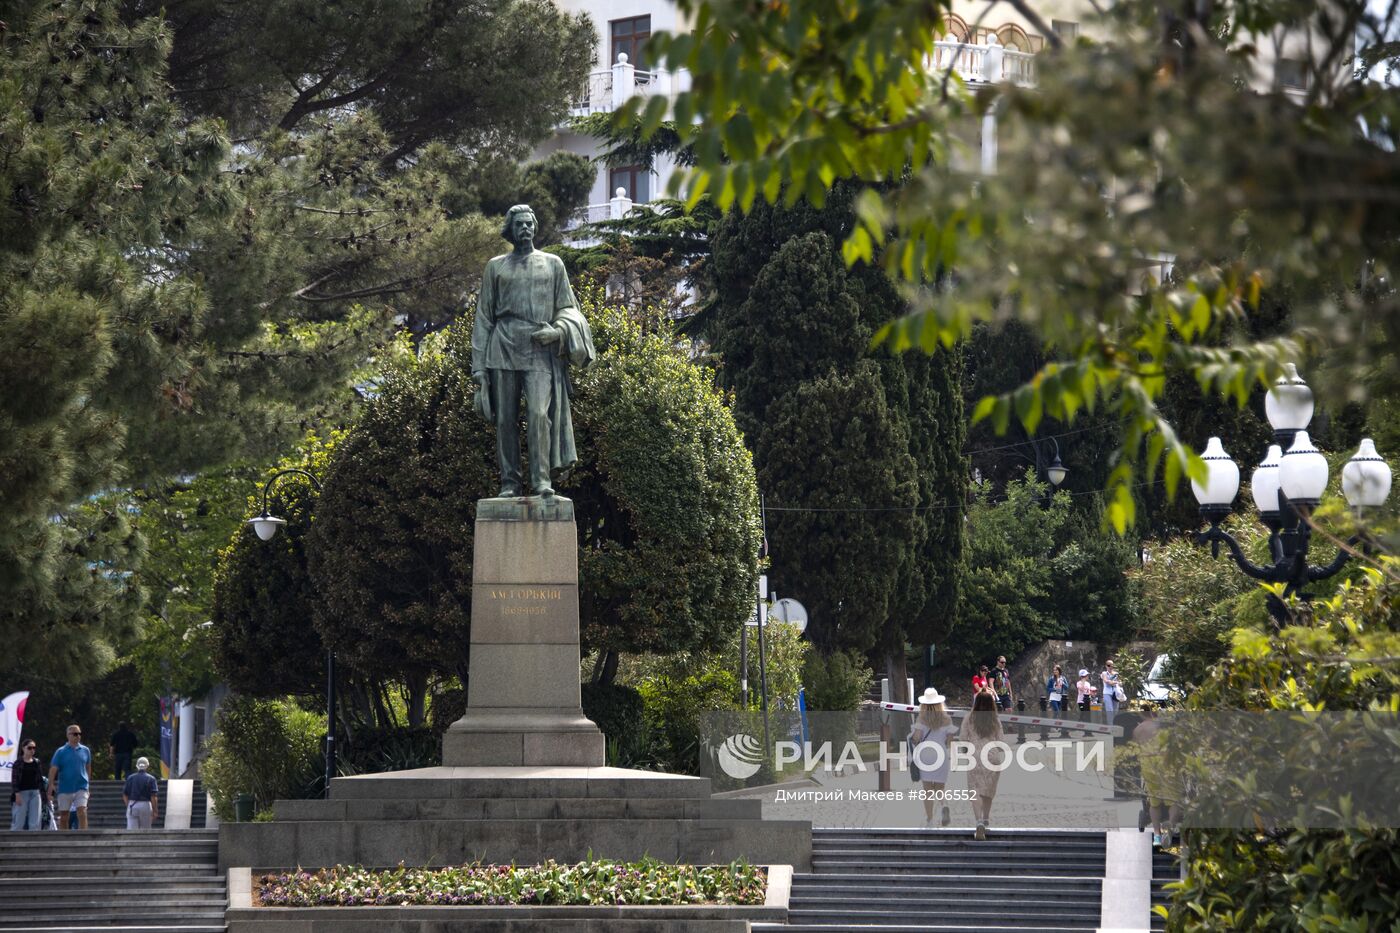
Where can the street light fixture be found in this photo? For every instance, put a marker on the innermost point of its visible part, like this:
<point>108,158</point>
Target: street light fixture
<point>1285,487</point>
<point>266,525</point>
<point>1056,471</point>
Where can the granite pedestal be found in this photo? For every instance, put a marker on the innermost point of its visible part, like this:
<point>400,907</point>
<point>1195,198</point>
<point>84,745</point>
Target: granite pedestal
<point>523,777</point>
<point>523,704</point>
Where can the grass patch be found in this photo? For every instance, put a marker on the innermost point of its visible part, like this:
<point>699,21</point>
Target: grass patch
<point>593,882</point>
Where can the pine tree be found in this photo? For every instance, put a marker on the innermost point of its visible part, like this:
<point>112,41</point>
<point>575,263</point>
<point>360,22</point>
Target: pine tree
<point>874,437</point>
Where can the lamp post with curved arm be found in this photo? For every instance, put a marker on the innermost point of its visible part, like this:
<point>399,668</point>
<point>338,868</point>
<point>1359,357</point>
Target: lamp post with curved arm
<point>265,525</point>
<point>1285,486</point>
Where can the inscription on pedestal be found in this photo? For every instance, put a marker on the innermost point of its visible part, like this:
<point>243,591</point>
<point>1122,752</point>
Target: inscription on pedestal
<point>525,600</point>
<point>524,614</point>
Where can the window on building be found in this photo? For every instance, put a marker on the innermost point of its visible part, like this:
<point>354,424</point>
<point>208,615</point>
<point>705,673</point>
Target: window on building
<point>635,178</point>
<point>1014,37</point>
<point>1292,72</point>
<point>1067,30</point>
<point>630,36</point>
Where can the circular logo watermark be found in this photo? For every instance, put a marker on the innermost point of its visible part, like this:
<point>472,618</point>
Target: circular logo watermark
<point>740,756</point>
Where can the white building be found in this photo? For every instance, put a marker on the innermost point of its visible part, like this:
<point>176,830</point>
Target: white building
<point>976,27</point>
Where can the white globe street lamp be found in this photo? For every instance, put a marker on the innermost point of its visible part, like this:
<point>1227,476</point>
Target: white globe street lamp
<point>1217,494</point>
<point>1302,476</point>
<point>1285,487</point>
<point>1263,483</point>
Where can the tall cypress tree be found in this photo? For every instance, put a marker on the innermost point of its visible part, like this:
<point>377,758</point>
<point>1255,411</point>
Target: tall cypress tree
<point>859,451</point>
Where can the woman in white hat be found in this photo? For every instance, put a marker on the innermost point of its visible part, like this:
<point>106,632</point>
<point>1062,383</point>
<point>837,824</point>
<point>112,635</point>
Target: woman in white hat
<point>928,751</point>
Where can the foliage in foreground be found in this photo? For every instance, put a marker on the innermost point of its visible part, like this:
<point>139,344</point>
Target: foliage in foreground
<point>1339,654</point>
<point>594,882</point>
<point>1163,120</point>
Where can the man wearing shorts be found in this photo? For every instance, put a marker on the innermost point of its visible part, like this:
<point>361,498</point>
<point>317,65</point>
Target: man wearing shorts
<point>69,770</point>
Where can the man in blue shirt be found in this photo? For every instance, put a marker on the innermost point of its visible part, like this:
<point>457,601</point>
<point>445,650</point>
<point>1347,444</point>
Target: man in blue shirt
<point>139,793</point>
<point>69,770</point>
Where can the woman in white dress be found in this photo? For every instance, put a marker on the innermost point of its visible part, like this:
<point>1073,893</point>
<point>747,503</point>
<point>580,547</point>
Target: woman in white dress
<point>979,729</point>
<point>928,747</point>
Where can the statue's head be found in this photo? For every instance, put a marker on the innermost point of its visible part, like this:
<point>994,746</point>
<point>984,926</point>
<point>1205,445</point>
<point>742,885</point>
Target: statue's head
<point>520,224</point>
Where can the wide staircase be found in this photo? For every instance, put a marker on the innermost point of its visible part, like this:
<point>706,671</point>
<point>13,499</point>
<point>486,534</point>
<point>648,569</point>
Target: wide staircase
<point>111,880</point>
<point>106,811</point>
<point>945,881</point>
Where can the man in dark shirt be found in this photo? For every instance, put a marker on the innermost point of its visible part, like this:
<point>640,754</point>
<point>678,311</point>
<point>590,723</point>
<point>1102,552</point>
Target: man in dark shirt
<point>140,796</point>
<point>123,743</point>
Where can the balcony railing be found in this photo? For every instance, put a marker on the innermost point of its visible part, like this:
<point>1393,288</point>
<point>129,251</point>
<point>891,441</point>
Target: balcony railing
<point>984,64</point>
<point>606,90</point>
<point>614,209</point>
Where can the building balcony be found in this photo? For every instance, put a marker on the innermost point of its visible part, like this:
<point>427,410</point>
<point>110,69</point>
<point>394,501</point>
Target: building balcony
<point>983,64</point>
<point>614,209</point>
<point>608,89</point>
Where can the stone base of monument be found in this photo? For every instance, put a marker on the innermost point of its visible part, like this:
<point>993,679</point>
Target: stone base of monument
<point>522,779</point>
<point>450,816</point>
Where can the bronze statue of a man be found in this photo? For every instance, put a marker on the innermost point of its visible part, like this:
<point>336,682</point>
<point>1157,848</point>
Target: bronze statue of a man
<point>528,332</point>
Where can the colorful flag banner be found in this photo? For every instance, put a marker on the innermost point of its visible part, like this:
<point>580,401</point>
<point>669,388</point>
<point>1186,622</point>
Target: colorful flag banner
<point>167,736</point>
<point>11,724</point>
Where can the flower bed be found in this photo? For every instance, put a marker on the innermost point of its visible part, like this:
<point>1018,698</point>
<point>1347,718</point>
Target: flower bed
<point>647,882</point>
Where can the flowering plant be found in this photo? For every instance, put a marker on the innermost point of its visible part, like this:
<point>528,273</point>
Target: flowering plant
<point>591,882</point>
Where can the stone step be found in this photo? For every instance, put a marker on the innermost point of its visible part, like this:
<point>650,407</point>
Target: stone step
<point>109,870</point>
<point>521,808</point>
<point>949,900</point>
<point>922,833</point>
<point>134,885</point>
<point>919,928</point>
<point>971,914</point>
<point>1012,852</point>
<point>319,843</point>
<point>942,839</point>
<point>55,855</point>
<point>517,782</point>
<point>100,908</point>
<point>866,880</point>
<point>922,865</point>
<point>108,836</point>
<point>116,926</point>
<point>983,855</point>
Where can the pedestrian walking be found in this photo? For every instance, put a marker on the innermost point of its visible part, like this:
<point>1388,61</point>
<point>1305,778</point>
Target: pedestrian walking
<point>26,790</point>
<point>1001,682</point>
<point>1057,689</point>
<point>141,794</point>
<point>981,729</point>
<point>981,680</point>
<point>70,772</point>
<point>928,751</point>
<point>1113,694</point>
<point>122,745</point>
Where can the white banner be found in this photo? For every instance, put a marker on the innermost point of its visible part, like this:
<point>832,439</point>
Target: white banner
<point>11,723</point>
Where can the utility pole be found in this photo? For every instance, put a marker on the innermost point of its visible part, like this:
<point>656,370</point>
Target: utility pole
<point>762,624</point>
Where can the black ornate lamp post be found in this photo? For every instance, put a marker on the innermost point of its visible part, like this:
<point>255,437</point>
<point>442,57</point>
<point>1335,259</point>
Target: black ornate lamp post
<point>265,525</point>
<point>1285,488</point>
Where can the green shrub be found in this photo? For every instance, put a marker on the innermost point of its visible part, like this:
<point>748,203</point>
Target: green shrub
<point>372,751</point>
<point>620,713</point>
<point>835,682</point>
<point>268,748</point>
<point>674,709</point>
